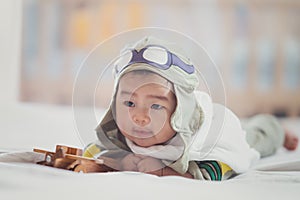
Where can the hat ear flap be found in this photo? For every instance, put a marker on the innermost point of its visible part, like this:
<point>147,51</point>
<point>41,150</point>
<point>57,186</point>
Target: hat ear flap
<point>183,120</point>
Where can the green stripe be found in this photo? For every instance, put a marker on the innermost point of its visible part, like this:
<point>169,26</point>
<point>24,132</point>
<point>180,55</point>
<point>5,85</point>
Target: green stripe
<point>209,170</point>
<point>218,169</point>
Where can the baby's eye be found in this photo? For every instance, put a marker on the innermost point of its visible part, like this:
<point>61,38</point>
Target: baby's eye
<point>156,106</point>
<point>129,103</point>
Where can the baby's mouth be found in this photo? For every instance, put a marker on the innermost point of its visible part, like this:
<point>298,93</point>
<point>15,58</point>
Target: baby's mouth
<point>141,133</point>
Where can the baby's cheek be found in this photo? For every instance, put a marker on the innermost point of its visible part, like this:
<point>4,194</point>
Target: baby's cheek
<point>159,119</point>
<point>124,123</point>
<point>121,113</point>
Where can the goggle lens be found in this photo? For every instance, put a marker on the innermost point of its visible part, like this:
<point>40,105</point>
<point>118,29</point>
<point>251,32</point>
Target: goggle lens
<point>156,55</point>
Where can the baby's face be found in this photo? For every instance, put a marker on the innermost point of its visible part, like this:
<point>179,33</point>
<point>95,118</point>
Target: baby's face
<point>144,105</point>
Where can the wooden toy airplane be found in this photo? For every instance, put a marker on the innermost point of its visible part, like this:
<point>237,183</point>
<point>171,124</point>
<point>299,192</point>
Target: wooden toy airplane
<point>71,158</point>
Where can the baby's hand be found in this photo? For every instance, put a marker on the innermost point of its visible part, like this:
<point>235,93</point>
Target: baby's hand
<point>130,162</point>
<point>149,164</point>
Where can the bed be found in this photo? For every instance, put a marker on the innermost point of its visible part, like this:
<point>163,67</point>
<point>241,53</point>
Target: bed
<point>276,177</point>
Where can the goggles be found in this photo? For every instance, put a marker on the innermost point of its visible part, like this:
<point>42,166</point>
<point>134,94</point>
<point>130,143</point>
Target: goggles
<point>154,55</point>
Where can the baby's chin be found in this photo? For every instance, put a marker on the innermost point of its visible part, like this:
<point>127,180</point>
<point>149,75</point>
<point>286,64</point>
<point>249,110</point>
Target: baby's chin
<point>142,142</point>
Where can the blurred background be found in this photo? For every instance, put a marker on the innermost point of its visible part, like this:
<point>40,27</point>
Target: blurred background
<point>254,43</point>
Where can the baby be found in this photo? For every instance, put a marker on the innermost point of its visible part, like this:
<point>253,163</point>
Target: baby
<point>159,123</point>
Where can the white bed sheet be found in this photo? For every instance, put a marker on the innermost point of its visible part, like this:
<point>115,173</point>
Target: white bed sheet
<point>22,179</point>
<point>276,177</point>
<point>39,182</point>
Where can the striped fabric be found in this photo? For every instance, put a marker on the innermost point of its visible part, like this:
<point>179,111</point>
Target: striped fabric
<point>213,170</point>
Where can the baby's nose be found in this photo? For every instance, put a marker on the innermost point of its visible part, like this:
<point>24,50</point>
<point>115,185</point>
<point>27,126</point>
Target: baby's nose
<point>141,117</point>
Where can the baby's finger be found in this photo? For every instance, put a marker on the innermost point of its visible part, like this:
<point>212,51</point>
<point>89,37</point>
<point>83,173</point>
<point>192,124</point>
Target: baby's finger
<point>136,159</point>
<point>141,167</point>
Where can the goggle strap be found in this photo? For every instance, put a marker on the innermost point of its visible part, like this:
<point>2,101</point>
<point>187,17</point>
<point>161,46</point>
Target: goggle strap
<point>179,63</point>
